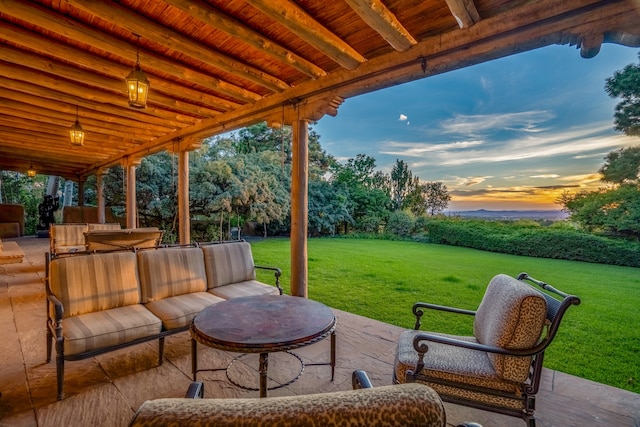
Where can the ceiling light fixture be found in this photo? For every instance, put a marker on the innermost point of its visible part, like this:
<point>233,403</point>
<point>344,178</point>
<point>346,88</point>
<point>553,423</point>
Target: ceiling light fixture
<point>137,84</point>
<point>76,133</point>
<point>31,172</point>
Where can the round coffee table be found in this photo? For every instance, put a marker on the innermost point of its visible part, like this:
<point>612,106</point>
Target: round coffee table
<point>263,324</point>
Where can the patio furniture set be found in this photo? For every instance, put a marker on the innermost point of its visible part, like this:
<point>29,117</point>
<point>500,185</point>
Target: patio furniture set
<point>101,301</point>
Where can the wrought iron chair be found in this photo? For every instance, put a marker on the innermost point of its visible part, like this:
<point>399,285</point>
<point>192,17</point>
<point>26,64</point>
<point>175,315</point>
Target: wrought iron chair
<point>499,368</point>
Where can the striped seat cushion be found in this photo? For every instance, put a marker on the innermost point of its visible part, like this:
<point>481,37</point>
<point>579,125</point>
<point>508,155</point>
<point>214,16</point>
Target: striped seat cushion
<point>177,312</point>
<point>169,272</point>
<point>243,289</point>
<point>228,263</point>
<point>107,328</point>
<point>94,282</point>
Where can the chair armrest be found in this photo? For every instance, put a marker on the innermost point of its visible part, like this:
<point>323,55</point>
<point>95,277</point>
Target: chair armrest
<point>419,312</point>
<point>57,306</point>
<point>422,348</point>
<point>195,390</point>
<point>277,273</point>
<point>360,379</point>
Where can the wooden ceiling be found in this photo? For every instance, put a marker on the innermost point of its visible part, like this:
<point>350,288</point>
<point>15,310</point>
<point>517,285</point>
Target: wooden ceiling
<point>218,65</point>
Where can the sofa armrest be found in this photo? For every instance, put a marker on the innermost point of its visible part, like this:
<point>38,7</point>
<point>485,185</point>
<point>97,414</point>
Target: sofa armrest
<point>57,306</point>
<point>277,273</point>
<point>195,390</point>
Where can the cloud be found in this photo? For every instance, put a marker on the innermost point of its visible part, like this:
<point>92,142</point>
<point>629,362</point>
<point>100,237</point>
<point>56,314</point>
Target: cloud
<point>526,121</point>
<point>403,118</point>
<point>548,175</point>
<point>471,180</point>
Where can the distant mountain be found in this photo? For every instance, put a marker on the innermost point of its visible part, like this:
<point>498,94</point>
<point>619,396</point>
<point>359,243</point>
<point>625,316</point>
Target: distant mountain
<point>533,214</point>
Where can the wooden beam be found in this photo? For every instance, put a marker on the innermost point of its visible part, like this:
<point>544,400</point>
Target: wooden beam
<point>40,65</point>
<point>69,28</point>
<point>215,18</point>
<point>385,23</point>
<point>464,11</point>
<point>53,100</point>
<point>293,17</point>
<point>146,28</point>
<point>105,67</point>
<point>46,83</point>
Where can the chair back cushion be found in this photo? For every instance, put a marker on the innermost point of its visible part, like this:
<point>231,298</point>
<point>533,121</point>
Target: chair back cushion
<point>170,272</point>
<point>394,405</point>
<point>96,282</point>
<point>228,263</point>
<point>68,234</point>
<point>511,315</point>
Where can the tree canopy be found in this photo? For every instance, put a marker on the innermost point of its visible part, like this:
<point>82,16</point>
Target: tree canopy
<point>625,84</point>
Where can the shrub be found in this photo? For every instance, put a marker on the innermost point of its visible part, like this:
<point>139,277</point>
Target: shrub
<point>400,223</point>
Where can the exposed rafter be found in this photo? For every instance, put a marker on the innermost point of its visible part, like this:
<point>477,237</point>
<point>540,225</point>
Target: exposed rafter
<point>293,17</point>
<point>378,17</point>
<point>464,11</point>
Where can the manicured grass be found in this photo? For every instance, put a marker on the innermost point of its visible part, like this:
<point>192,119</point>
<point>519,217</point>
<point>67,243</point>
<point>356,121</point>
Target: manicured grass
<point>598,340</point>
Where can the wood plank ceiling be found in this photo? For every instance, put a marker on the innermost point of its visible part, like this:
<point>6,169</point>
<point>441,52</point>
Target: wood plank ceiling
<point>217,65</point>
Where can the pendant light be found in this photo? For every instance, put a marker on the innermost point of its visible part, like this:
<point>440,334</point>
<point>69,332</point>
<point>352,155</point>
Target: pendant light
<point>76,133</point>
<point>137,84</point>
<point>31,172</point>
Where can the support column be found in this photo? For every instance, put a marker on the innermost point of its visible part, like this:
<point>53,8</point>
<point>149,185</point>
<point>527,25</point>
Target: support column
<point>184,223</point>
<point>102,218</point>
<point>132,209</point>
<point>299,208</point>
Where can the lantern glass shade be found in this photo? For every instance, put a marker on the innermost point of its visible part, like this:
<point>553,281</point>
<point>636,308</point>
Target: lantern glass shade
<point>31,172</point>
<point>137,87</point>
<point>76,134</point>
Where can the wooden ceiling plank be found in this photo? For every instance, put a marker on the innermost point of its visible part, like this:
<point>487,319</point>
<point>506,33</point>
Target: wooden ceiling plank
<point>125,18</point>
<point>32,117</point>
<point>46,83</point>
<point>43,65</point>
<point>464,11</point>
<point>76,30</point>
<point>291,16</point>
<point>12,90</point>
<point>107,68</point>
<point>219,20</point>
<point>384,22</point>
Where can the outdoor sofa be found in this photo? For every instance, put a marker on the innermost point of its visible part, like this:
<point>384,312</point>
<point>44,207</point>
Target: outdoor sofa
<point>105,300</point>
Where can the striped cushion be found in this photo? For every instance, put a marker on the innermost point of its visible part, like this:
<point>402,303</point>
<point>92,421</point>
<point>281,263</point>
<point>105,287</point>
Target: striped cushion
<point>105,226</point>
<point>243,289</point>
<point>88,283</point>
<point>108,328</point>
<point>178,311</point>
<point>68,234</point>
<point>511,315</point>
<point>169,272</point>
<point>228,263</point>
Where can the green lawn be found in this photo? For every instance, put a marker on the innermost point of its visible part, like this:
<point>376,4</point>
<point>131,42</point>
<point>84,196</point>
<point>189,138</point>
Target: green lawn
<point>598,340</point>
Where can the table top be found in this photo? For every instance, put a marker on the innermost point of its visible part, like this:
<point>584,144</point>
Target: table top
<point>264,323</point>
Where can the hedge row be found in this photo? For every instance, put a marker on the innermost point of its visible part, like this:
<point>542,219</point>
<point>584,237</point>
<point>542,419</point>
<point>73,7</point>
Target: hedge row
<point>534,241</point>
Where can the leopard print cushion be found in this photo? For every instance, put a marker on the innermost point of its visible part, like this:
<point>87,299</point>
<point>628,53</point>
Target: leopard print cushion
<point>399,405</point>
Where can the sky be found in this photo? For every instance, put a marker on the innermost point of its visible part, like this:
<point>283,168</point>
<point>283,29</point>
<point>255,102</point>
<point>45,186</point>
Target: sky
<point>509,134</point>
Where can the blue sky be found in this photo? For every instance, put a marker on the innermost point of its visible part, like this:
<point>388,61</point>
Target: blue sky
<point>507,134</point>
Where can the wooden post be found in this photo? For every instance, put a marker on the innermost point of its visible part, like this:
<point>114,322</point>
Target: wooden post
<point>184,223</point>
<point>299,208</point>
<point>132,211</point>
<point>100,195</point>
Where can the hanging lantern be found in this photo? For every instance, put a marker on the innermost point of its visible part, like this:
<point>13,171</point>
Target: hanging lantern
<point>137,84</point>
<point>76,133</point>
<point>31,172</point>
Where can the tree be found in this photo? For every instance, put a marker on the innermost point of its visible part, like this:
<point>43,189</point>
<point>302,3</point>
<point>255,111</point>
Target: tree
<point>626,85</point>
<point>622,166</point>
<point>435,197</point>
<point>402,184</point>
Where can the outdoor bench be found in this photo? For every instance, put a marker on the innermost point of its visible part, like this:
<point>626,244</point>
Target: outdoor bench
<point>106,300</point>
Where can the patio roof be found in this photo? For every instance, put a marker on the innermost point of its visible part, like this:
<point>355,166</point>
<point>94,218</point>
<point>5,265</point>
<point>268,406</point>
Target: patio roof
<point>218,65</point>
